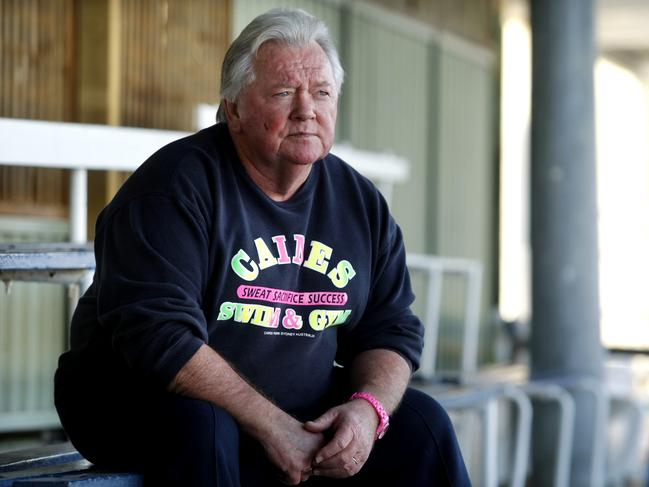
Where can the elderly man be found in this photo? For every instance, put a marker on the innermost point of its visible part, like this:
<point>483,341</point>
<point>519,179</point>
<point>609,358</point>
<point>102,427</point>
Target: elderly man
<point>249,318</point>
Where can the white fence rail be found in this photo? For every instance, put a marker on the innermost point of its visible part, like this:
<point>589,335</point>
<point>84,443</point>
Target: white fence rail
<point>83,147</point>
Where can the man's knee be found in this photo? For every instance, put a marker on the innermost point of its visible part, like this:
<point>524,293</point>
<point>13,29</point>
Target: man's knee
<point>431,430</point>
<point>426,414</point>
<point>428,427</point>
<point>420,444</point>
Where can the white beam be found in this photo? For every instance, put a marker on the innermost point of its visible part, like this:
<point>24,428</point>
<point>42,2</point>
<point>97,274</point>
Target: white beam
<point>73,145</point>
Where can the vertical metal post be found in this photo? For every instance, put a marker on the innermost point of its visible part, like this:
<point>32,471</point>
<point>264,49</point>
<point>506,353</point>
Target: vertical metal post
<point>489,413</point>
<point>78,205</point>
<point>78,226</point>
<point>548,392</point>
<point>565,340</point>
<point>523,431</point>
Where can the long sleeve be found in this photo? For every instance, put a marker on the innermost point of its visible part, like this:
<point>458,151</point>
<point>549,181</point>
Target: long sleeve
<point>152,255</point>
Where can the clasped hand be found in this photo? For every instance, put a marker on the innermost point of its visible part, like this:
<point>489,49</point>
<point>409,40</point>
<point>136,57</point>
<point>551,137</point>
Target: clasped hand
<point>303,450</point>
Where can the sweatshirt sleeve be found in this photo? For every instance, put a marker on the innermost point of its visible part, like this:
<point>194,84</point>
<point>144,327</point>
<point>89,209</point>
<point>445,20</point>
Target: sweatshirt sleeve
<point>152,260</point>
<point>387,321</point>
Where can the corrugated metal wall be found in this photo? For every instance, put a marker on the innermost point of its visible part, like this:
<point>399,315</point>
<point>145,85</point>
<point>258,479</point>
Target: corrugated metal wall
<point>471,19</point>
<point>32,334</point>
<point>328,10</point>
<point>466,205</point>
<point>386,105</point>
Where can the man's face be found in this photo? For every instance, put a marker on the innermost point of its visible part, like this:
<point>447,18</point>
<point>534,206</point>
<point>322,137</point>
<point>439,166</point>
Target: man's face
<point>288,113</point>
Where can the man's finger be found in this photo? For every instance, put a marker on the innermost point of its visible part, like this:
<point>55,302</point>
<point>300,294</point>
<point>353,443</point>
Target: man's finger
<point>322,423</point>
<point>344,457</point>
<point>288,479</point>
<point>305,476</point>
<point>316,427</point>
<point>338,443</point>
<point>340,466</point>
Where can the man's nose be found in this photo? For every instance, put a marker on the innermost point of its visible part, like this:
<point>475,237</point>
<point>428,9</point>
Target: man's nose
<point>303,106</point>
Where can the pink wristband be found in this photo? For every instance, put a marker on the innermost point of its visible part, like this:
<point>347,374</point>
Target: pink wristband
<point>384,419</point>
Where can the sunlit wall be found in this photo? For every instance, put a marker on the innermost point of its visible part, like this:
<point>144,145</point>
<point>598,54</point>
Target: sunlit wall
<point>622,121</point>
<point>623,191</point>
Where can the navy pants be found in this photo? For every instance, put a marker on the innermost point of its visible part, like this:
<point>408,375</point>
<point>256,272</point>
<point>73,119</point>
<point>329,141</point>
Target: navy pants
<point>178,441</point>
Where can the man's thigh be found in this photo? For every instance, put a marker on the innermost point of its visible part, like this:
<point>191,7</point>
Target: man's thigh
<point>173,439</point>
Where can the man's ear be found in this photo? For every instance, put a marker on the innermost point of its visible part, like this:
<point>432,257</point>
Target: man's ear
<point>232,115</point>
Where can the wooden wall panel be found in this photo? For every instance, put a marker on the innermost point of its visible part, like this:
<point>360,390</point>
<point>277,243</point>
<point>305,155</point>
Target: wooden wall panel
<point>33,191</point>
<point>37,82</point>
<point>36,51</point>
<point>173,50</point>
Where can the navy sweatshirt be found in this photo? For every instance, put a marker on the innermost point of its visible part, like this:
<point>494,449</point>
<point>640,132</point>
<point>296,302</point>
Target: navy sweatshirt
<point>191,251</point>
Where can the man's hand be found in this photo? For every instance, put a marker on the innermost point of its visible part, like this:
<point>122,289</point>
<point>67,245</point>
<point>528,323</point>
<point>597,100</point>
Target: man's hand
<point>291,448</point>
<point>382,373</point>
<point>353,425</point>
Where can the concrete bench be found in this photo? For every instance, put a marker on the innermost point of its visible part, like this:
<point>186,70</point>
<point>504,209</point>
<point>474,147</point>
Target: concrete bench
<point>58,465</point>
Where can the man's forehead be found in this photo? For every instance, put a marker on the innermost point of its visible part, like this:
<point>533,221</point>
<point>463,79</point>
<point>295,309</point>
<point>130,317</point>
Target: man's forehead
<point>282,60</point>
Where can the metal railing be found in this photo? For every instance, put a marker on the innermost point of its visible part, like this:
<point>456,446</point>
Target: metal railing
<point>435,268</point>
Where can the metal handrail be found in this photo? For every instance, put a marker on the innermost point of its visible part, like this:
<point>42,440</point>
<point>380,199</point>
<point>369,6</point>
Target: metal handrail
<point>566,404</point>
<point>485,401</point>
<point>435,268</point>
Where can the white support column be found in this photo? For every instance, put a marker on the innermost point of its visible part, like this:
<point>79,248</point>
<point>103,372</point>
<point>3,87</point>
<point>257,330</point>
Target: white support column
<point>78,205</point>
<point>78,227</point>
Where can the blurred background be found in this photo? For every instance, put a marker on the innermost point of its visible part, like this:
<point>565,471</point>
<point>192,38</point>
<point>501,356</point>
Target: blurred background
<point>442,86</point>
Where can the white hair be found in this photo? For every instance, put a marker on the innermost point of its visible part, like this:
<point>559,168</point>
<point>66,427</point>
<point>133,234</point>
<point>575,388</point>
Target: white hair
<point>292,27</point>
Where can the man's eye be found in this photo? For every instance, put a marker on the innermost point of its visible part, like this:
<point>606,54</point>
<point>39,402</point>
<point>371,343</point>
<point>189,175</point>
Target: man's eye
<point>323,93</point>
<point>282,94</point>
